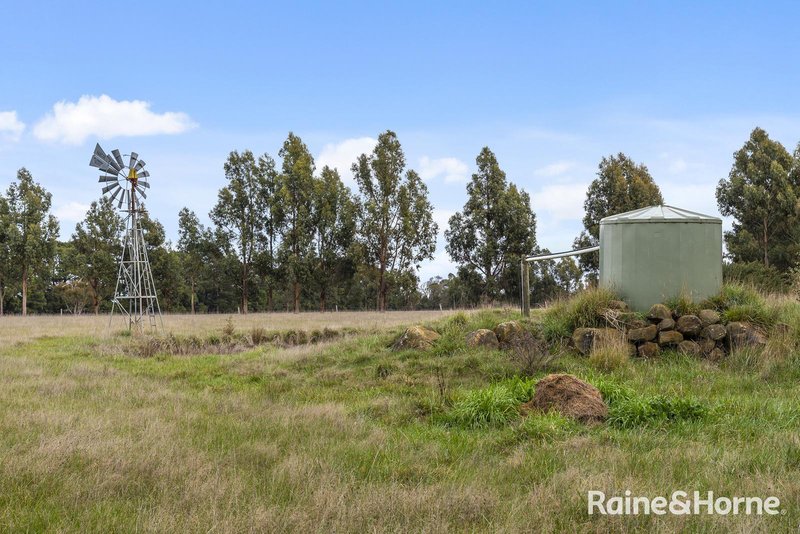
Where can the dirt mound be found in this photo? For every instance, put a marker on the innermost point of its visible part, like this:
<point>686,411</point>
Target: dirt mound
<point>416,337</point>
<point>569,396</point>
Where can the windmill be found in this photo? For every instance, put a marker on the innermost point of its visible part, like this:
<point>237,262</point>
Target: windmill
<point>135,294</point>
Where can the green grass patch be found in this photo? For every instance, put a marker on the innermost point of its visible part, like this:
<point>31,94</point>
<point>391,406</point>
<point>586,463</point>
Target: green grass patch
<point>495,405</point>
<point>583,310</point>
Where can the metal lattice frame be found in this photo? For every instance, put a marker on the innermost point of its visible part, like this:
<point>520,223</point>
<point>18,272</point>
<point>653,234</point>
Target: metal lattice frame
<point>135,296</point>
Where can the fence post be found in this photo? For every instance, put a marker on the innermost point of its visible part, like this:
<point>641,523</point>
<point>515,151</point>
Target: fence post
<point>526,289</point>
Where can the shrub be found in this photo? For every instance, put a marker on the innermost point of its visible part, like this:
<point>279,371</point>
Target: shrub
<point>458,319</point>
<point>755,274</point>
<point>258,336</point>
<point>228,330</point>
<point>530,353</point>
<point>585,309</point>
<point>495,405</point>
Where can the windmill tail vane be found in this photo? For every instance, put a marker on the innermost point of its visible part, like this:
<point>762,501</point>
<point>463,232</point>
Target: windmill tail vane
<point>126,184</point>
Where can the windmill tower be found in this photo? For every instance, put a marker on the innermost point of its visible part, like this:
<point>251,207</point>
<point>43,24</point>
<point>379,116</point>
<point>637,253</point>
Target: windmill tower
<point>135,294</point>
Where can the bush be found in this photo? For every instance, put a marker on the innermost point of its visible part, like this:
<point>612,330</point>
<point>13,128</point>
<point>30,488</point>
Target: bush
<point>530,353</point>
<point>495,405</point>
<point>755,274</point>
<point>585,309</point>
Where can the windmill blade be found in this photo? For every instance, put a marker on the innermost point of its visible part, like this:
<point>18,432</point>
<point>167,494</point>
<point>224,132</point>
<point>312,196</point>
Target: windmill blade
<point>101,164</point>
<point>104,178</point>
<point>143,174</point>
<point>132,160</point>
<point>108,188</point>
<point>118,157</point>
<point>144,184</point>
<point>111,162</point>
<point>140,165</point>
<point>98,151</point>
<point>121,200</point>
<point>141,192</point>
<point>114,194</point>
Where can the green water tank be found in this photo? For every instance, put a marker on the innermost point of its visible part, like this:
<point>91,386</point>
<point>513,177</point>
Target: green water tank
<point>652,254</point>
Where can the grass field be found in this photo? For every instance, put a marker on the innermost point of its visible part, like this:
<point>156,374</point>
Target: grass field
<point>347,436</point>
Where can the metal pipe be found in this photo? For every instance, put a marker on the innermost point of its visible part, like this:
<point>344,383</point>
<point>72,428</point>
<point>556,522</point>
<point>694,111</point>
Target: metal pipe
<point>563,254</point>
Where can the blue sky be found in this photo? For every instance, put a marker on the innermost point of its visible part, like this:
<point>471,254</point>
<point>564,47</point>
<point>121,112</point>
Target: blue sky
<point>550,87</point>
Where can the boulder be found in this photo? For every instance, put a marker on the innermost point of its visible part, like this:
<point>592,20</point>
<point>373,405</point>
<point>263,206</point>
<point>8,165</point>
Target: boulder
<point>507,332</point>
<point>716,355</point>
<point>706,345</point>
<point>666,324</point>
<point>689,347</point>
<point>708,317</point>
<point>416,337</point>
<point>647,333</point>
<point>659,312</point>
<point>482,338</point>
<point>689,325</point>
<point>714,332</point>
<point>649,350</point>
<point>632,320</point>
<point>743,335</point>
<point>669,337</point>
<point>584,339</point>
<point>618,305</point>
<point>569,396</point>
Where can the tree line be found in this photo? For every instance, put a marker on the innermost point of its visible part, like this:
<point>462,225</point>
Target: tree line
<point>286,236</point>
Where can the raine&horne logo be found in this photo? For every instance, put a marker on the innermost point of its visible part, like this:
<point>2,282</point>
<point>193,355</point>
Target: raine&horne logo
<point>681,503</point>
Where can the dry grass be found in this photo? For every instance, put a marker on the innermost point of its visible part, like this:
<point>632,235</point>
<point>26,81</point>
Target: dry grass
<point>610,351</point>
<point>17,328</point>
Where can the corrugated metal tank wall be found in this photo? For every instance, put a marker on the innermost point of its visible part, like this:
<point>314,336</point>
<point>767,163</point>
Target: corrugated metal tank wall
<point>652,254</point>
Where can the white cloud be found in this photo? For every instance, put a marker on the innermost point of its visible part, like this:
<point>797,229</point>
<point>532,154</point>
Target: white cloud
<point>561,202</point>
<point>452,169</point>
<point>440,265</point>
<point>11,127</point>
<point>442,218</point>
<point>555,169</point>
<point>102,116</point>
<point>341,156</point>
<point>70,213</point>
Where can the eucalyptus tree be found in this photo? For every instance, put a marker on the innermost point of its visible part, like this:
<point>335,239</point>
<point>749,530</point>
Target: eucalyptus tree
<point>396,226</point>
<point>334,220</point>
<point>97,248</point>
<point>296,198</point>
<point>761,193</point>
<point>621,185</point>
<point>32,231</point>
<point>495,228</point>
<point>239,209</point>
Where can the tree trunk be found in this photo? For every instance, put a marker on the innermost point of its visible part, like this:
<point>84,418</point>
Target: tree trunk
<point>296,296</point>
<point>244,288</point>
<point>24,291</point>
<point>269,297</point>
<point>382,289</point>
<point>193,296</point>
<point>322,299</point>
<point>766,245</point>
<point>2,299</point>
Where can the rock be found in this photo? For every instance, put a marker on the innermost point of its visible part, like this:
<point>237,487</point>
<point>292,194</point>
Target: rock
<point>708,317</point>
<point>658,312</point>
<point>416,337</point>
<point>649,350</point>
<point>618,305</point>
<point>689,347</point>
<point>632,320</point>
<point>716,355</point>
<point>669,337</point>
<point>647,333</point>
<point>569,396</point>
<point>506,332</point>
<point>689,325</point>
<point>707,345</point>
<point>743,335</point>
<point>584,339</point>
<point>482,338</point>
<point>666,324</point>
<point>714,332</point>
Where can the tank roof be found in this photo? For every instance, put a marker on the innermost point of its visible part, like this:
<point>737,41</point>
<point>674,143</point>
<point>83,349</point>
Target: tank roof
<point>660,214</point>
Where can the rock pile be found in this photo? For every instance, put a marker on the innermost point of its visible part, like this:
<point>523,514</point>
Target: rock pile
<point>700,334</point>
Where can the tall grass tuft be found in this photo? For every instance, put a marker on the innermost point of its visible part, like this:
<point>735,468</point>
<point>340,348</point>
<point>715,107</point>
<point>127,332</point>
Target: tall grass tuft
<point>682,304</point>
<point>610,352</point>
<point>585,309</point>
<point>495,405</point>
